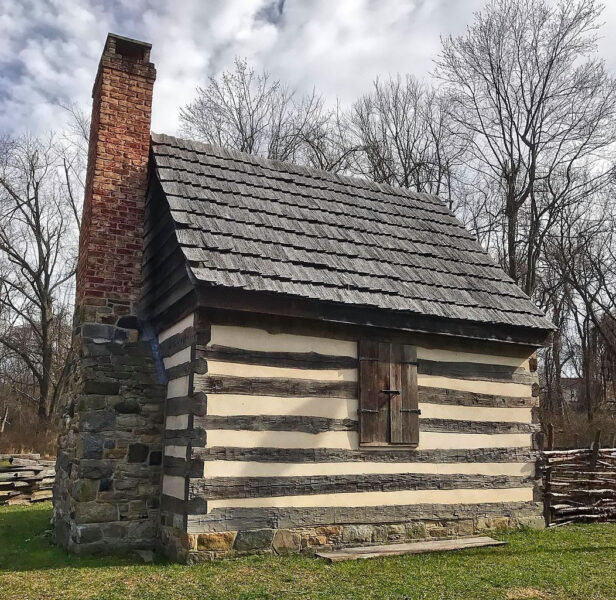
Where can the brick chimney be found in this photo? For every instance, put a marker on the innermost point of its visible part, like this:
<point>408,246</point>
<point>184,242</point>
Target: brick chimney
<point>108,469</point>
<point>111,244</point>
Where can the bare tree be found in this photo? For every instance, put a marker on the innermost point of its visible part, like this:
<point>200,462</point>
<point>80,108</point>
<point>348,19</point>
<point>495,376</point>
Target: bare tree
<point>582,253</point>
<point>37,260</point>
<point>254,113</point>
<point>73,153</point>
<point>404,137</point>
<point>536,105</point>
<point>330,145</point>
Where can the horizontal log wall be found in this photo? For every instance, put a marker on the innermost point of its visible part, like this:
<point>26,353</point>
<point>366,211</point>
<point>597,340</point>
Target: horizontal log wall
<point>177,348</point>
<point>271,434</point>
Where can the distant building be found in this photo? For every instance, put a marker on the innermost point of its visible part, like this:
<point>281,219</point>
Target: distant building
<point>571,387</point>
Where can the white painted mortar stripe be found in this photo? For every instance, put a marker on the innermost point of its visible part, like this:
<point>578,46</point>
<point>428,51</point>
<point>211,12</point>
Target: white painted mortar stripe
<point>459,496</point>
<point>176,451</point>
<point>179,358</point>
<point>174,486</point>
<point>456,441</point>
<point>224,468</point>
<point>282,439</point>
<point>178,327</point>
<point>248,338</point>
<point>243,370</point>
<point>474,413</point>
<point>176,388</point>
<point>231,404</point>
<point>348,440</point>
<point>176,422</point>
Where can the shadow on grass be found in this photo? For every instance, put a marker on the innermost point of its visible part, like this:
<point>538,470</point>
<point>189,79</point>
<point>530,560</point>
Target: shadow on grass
<point>26,544</point>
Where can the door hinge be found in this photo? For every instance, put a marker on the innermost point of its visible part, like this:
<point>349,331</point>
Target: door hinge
<point>415,411</point>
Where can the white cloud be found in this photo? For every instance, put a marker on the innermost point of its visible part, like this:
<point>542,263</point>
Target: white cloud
<point>49,49</point>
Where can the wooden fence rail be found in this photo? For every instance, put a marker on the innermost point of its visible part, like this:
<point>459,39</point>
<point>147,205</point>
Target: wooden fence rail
<point>579,485</point>
<point>25,478</point>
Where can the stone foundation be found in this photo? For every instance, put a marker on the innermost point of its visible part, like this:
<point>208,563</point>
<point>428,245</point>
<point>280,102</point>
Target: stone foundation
<point>108,470</point>
<point>194,548</point>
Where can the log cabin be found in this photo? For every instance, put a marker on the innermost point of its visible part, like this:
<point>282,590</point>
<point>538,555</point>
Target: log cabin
<point>274,358</point>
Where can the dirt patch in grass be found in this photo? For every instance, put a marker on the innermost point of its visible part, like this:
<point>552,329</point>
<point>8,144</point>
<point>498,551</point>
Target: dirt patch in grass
<point>528,594</point>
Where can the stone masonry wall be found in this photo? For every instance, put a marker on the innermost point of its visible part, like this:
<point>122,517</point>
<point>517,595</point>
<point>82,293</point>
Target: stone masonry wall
<point>109,463</point>
<point>194,548</point>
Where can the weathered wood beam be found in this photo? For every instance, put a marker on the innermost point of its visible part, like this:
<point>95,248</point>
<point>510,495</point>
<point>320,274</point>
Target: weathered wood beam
<point>265,487</point>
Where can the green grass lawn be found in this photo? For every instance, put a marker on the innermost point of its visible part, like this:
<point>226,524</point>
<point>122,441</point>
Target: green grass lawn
<point>568,563</point>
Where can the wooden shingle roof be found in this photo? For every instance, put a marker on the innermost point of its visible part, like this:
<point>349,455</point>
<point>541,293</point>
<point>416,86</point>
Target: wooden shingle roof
<point>261,225</point>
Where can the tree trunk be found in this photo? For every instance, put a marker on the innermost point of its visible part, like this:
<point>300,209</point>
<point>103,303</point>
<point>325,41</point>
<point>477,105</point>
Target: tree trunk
<point>4,419</point>
<point>511,212</point>
<point>46,390</point>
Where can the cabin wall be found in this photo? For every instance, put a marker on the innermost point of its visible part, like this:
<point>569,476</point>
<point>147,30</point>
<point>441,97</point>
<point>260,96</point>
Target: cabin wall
<point>176,347</point>
<point>262,449</point>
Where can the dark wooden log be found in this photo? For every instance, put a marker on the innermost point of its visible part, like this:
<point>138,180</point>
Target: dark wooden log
<point>269,386</point>
<point>229,519</point>
<point>458,398</point>
<point>187,368</point>
<point>474,371</point>
<point>264,487</point>
<point>176,343</point>
<point>309,424</point>
<point>295,360</point>
<point>277,423</point>
<point>183,405</point>
<point>489,427</point>
<point>312,455</point>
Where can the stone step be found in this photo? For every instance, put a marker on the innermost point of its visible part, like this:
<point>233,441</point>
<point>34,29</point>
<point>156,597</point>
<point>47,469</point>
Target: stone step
<point>362,552</point>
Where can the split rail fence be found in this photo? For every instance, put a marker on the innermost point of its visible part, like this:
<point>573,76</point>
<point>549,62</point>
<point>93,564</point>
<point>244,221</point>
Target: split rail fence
<point>579,485</point>
<point>25,478</point>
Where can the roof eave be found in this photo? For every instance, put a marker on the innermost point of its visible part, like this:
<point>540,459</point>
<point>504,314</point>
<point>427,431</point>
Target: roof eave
<point>236,299</point>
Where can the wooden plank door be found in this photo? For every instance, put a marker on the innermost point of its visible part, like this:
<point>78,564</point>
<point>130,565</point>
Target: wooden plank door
<point>404,411</point>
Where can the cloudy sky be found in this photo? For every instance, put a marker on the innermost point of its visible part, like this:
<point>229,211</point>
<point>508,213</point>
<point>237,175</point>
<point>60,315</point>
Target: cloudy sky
<point>49,49</point>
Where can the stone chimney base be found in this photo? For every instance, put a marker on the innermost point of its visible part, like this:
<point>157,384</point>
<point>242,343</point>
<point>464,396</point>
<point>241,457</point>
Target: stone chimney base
<point>108,470</point>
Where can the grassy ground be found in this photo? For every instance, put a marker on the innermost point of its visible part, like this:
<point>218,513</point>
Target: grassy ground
<point>563,564</point>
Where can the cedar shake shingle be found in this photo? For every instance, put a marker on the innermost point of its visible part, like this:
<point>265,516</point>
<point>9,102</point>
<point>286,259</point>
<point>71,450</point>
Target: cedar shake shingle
<point>264,225</point>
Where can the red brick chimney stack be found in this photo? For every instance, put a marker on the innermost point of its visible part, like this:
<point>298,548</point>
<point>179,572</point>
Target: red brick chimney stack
<point>111,244</point>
